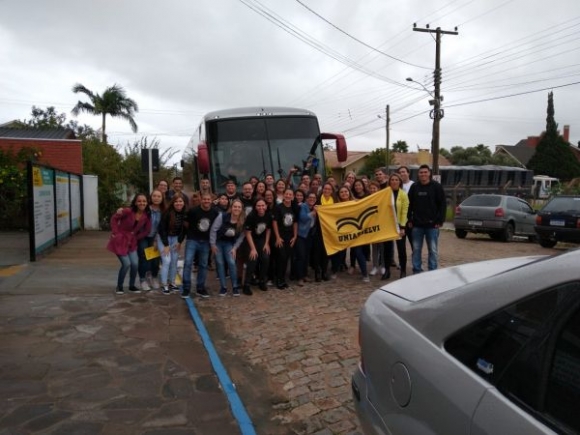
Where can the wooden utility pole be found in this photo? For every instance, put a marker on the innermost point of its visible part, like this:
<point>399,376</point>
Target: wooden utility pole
<point>437,113</point>
<point>388,128</point>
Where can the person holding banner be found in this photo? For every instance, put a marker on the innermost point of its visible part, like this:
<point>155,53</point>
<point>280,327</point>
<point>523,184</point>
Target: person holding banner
<point>345,195</point>
<point>401,202</point>
<point>128,228</point>
<point>327,198</point>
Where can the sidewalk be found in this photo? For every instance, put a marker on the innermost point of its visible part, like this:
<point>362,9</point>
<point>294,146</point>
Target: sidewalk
<point>76,359</point>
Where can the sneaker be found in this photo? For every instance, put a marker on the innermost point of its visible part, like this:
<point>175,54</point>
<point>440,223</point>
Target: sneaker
<point>247,290</point>
<point>236,291</point>
<point>185,296</point>
<point>373,271</point>
<point>145,286</point>
<point>155,284</point>
<point>262,286</point>
<point>119,291</point>
<point>300,283</point>
<point>134,289</point>
<point>223,291</point>
<point>166,290</point>
<point>173,287</point>
<point>282,286</point>
<point>383,270</point>
<point>270,283</point>
<point>366,279</point>
<point>333,276</point>
<point>202,293</point>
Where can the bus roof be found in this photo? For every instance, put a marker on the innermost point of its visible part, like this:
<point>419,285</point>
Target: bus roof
<point>258,111</point>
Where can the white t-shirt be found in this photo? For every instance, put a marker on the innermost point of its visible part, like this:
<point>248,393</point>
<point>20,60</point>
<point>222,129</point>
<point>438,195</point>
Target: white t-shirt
<point>407,186</point>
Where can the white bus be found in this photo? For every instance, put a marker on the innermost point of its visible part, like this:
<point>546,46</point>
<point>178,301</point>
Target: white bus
<point>235,144</point>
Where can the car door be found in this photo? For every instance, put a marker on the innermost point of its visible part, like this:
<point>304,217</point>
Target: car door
<point>528,217</point>
<point>540,392</point>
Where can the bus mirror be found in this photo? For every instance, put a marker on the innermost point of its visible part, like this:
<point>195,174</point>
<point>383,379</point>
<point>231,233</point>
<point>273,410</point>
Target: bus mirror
<point>341,151</point>
<point>202,158</point>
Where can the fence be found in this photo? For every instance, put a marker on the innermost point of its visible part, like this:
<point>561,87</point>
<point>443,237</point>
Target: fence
<point>55,204</point>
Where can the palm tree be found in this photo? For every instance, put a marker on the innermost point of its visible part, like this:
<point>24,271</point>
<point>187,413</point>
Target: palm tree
<point>114,102</point>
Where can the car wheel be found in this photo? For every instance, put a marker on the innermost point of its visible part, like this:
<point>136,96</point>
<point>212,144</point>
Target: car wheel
<point>508,232</point>
<point>461,234</point>
<point>547,243</point>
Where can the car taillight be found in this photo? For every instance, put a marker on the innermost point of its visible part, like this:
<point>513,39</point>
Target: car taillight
<point>538,220</point>
<point>499,212</point>
<point>457,211</point>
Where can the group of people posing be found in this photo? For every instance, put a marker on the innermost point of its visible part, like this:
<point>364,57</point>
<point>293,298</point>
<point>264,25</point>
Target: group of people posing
<point>257,234</point>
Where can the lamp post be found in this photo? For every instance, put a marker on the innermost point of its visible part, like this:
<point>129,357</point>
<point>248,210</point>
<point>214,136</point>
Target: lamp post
<point>436,114</point>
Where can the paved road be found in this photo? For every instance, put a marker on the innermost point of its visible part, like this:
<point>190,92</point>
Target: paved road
<point>76,359</point>
<point>291,353</point>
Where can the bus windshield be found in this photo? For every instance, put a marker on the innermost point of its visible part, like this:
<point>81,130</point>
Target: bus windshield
<point>240,148</point>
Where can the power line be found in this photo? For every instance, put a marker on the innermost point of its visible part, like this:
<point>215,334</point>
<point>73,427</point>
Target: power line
<point>358,40</point>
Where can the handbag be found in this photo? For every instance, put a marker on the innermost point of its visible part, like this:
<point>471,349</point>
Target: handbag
<point>152,252</point>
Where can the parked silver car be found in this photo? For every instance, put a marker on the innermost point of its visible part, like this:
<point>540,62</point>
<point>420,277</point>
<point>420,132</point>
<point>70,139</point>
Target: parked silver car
<point>500,216</point>
<point>482,348</point>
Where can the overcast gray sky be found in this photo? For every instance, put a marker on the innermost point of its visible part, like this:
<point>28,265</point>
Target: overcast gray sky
<point>179,60</point>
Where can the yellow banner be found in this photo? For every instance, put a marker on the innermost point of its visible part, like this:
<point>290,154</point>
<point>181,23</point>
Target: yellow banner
<point>355,223</point>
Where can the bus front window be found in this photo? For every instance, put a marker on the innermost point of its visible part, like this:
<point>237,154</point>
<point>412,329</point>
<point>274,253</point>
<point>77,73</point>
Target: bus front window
<point>236,147</point>
<point>241,148</point>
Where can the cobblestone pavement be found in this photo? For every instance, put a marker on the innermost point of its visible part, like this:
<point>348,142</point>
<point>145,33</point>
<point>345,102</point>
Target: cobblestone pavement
<point>302,343</point>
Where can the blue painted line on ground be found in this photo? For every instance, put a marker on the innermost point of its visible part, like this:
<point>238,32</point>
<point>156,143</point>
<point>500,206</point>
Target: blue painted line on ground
<point>238,408</point>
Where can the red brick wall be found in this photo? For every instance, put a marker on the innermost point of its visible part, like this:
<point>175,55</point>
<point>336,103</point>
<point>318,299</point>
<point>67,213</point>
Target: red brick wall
<point>66,155</point>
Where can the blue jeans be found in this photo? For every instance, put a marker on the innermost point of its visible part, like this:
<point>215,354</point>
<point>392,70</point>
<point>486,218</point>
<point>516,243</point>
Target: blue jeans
<point>222,257</point>
<point>192,246</point>
<point>431,236</point>
<point>169,261</point>
<point>131,260</point>
<point>359,256</point>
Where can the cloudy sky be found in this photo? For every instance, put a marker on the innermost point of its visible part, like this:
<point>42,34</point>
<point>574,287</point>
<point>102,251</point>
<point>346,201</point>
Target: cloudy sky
<point>343,60</point>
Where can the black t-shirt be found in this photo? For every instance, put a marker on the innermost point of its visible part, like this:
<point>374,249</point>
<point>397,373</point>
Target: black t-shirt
<point>248,204</point>
<point>286,217</point>
<point>200,222</point>
<point>258,224</point>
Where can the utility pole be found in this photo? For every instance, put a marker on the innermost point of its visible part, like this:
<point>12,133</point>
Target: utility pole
<point>437,113</point>
<point>388,128</point>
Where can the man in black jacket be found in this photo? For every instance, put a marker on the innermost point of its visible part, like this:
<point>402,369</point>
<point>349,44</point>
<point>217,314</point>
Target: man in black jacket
<point>427,208</point>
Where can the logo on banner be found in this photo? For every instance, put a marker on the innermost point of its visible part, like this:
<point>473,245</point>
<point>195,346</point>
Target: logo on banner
<point>357,222</point>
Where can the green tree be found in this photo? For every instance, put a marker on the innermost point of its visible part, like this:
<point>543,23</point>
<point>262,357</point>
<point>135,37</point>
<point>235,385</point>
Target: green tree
<point>13,189</point>
<point>113,102</point>
<point>48,119</point>
<point>553,155</point>
<point>376,159</point>
<point>400,147</point>
<point>106,162</point>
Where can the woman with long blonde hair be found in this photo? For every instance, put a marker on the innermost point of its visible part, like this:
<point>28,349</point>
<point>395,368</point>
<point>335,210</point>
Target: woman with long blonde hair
<point>226,236</point>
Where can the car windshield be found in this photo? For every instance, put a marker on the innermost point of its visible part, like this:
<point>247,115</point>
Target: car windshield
<point>482,201</point>
<point>563,204</point>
